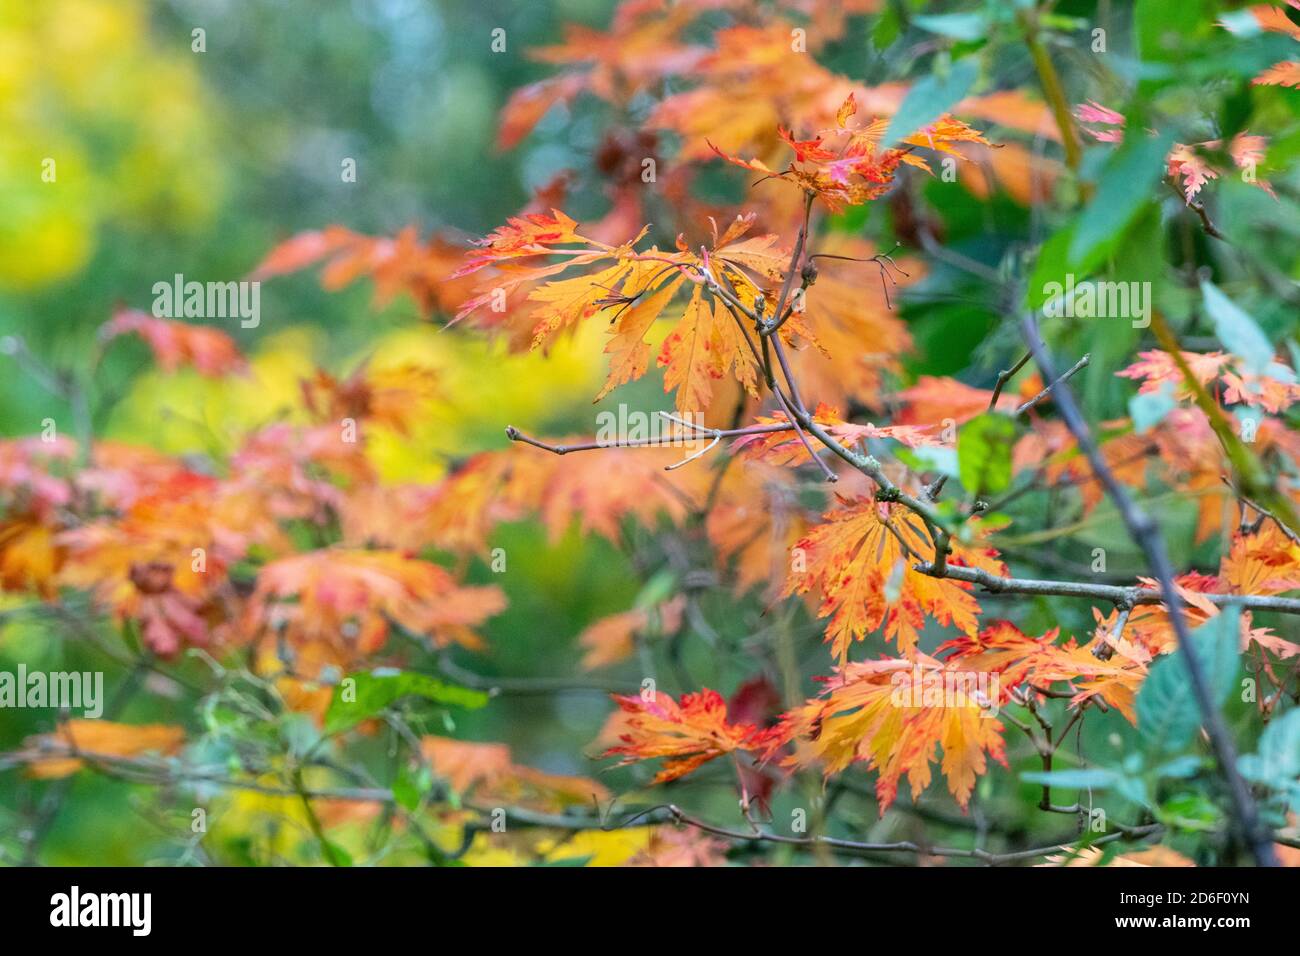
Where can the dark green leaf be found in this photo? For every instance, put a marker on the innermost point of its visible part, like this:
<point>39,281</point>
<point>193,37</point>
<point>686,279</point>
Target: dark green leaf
<point>1126,185</point>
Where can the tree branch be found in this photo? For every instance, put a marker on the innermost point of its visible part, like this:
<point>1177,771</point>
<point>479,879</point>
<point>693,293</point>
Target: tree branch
<point>1110,593</point>
<point>1146,533</point>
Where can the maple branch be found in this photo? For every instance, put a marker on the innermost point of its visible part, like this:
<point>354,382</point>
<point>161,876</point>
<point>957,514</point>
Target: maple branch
<point>770,379</point>
<point>883,260</point>
<point>1146,533</point>
<point>1105,650</point>
<point>867,464</point>
<point>780,314</point>
<point>1117,595</point>
<point>794,407</point>
<point>1048,390</point>
<point>1003,377</point>
<point>531,686</point>
<point>1199,209</point>
<point>727,295</point>
<point>903,846</point>
<point>1265,513</point>
<point>327,849</point>
<point>164,773</point>
<point>812,452</point>
<point>514,434</point>
<point>952,257</point>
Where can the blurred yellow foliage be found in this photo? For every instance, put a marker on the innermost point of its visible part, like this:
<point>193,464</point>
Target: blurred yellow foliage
<point>100,123</point>
<point>586,847</point>
<point>186,413</point>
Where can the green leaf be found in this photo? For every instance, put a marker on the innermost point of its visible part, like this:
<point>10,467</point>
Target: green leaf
<point>955,26</point>
<point>1166,31</point>
<point>1073,778</point>
<point>1218,648</point>
<point>335,853</point>
<point>984,453</point>
<point>888,27</point>
<point>1149,409</point>
<point>1133,789</point>
<point>1167,713</point>
<point>410,786</point>
<point>1190,811</point>
<point>658,589</point>
<point>1125,186</point>
<point>567,861</point>
<point>369,693</point>
<point>1052,267</point>
<point>947,335</point>
<point>930,98</point>
<point>936,458</point>
<point>1180,768</point>
<point>1234,327</point>
<point>1276,762</point>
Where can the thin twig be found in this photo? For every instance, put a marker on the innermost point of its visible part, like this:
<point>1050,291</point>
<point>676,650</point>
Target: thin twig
<point>1048,390</point>
<point>1110,593</point>
<point>1003,377</point>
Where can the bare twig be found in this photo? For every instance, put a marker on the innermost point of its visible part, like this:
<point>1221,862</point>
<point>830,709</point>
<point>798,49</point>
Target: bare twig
<point>1048,390</point>
<point>1005,376</point>
<point>780,314</point>
<point>1199,209</point>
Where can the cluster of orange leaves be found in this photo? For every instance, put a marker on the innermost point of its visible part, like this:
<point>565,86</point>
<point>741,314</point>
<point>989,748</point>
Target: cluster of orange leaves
<point>129,525</point>
<point>1190,167</point>
<point>1273,19</point>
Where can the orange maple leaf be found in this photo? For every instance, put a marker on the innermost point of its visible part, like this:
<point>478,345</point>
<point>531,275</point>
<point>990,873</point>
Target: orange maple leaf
<point>347,598</point>
<point>856,170</point>
<point>862,561</point>
<point>210,352</point>
<point>1155,367</point>
<point>401,263</point>
<point>1039,662</point>
<point>892,714</point>
<point>689,734</point>
<point>613,638</point>
<point>705,343</point>
<point>785,448</point>
<point>392,396</point>
<point>163,562</point>
<point>933,399</point>
<point>1188,163</point>
<point>488,773</point>
<point>55,754</point>
<point>1274,20</point>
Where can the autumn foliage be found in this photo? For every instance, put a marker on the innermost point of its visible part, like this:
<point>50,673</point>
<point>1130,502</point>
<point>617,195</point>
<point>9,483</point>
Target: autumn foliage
<point>912,555</point>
